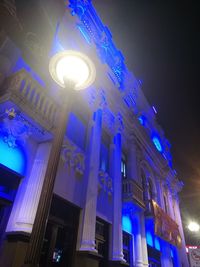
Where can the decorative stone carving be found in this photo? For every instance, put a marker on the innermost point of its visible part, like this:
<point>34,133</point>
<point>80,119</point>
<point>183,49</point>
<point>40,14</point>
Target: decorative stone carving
<point>119,125</point>
<point>100,35</point>
<point>97,98</point>
<point>73,156</point>
<point>34,44</point>
<point>14,128</point>
<point>105,183</point>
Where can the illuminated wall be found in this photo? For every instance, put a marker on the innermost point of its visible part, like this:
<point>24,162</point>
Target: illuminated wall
<point>13,158</point>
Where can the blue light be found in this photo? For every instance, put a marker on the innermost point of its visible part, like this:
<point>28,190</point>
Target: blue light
<point>84,33</point>
<point>142,119</point>
<point>149,238</point>
<point>126,224</point>
<point>154,109</point>
<point>157,143</point>
<point>13,158</point>
<point>157,243</point>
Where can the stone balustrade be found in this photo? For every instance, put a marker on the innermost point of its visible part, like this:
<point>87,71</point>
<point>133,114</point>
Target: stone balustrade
<point>33,99</point>
<point>132,191</point>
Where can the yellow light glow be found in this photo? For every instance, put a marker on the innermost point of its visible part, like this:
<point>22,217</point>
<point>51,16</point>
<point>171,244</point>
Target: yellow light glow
<point>193,227</point>
<point>72,68</point>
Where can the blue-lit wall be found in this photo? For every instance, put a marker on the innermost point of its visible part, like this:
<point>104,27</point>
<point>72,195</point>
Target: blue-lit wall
<point>127,224</point>
<point>13,158</point>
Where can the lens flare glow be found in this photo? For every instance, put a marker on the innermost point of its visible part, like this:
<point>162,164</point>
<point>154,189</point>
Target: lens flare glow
<point>72,68</point>
<point>193,227</point>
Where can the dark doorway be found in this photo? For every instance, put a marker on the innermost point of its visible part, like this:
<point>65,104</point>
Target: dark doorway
<point>61,234</point>
<point>153,257</point>
<point>102,241</point>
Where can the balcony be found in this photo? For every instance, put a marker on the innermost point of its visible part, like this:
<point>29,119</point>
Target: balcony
<point>133,192</point>
<point>31,98</point>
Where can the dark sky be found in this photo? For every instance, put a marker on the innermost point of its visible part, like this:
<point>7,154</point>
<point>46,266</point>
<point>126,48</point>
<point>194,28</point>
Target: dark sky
<point>161,44</point>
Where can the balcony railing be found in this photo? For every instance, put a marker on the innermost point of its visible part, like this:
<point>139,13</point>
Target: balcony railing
<point>132,191</point>
<point>33,99</point>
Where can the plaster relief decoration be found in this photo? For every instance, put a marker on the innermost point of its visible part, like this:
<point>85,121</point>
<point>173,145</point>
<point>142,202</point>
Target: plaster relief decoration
<point>14,128</point>
<point>105,183</point>
<point>119,124</point>
<point>97,98</point>
<point>73,156</point>
<point>94,31</point>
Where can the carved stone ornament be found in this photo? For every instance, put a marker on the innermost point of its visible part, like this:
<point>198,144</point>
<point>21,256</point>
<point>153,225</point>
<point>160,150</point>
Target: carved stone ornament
<point>73,156</point>
<point>14,128</point>
<point>105,183</point>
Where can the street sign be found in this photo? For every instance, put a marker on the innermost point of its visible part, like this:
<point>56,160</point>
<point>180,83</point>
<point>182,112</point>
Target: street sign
<point>194,256</point>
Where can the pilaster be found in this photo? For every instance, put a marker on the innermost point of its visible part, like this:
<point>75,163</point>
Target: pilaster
<point>138,241</point>
<point>88,217</point>
<point>23,213</point>
<point>132,168</point>
<point>117,247</point>
<point>143,240</point>
<point>181,251</point>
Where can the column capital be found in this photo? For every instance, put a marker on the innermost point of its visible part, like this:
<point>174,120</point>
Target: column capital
<point>119,124</point>
<point>97,99</point>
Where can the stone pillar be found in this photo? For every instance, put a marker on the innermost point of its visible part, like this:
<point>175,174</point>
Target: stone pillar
<point>23,213</point>
<point>132,168</point>
<point>138,241</point>
<point>88,218</point>
<point>181,251</point>
<point>144,242</point>
<point>117,246</point>
<point>170,204</point>
<point>159,192</point>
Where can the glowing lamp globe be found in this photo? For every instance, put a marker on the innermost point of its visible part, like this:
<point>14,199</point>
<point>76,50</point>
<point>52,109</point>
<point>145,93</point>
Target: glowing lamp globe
<point>72,66</point>
<point>193,227</point>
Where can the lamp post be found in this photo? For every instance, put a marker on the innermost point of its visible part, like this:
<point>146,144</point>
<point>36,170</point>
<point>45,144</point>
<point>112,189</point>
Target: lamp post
<point>72,70</point>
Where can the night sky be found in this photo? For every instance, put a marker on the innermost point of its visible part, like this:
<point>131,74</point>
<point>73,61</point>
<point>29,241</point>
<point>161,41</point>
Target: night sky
<point>161,44</point>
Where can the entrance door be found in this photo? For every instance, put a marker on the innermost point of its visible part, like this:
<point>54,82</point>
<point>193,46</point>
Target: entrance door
<point>61,234</point>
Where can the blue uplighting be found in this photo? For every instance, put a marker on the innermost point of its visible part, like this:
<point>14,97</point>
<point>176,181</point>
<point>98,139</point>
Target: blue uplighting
<point>126,224</point>
<point>13,158</point>
<point>156,243</point>
<point>142,119</point>
<point>157,143</point>
<point>149,238</point>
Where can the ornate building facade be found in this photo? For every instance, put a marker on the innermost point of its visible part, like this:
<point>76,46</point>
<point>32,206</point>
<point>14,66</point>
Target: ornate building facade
<point>115,198</point>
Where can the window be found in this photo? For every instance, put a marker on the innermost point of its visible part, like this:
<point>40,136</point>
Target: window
<point>124,167</point>
<point>101,239</point>
<point>76,130</point>
<point>104,158</point>
<point>127,247</point>
<point>165,203</point>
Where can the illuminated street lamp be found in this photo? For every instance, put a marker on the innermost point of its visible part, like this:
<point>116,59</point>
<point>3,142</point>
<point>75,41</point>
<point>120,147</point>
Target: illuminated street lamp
<point>193,227</point>
<point>72,70</point>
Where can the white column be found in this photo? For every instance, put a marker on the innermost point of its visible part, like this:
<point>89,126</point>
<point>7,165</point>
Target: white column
<point>24,209</point>
<point>138,241</point>
<point>170,203</point>
<point>144,241</point>
<point>88,216</point>
<point>117,245</point>
<point>182,251</point>
<point>159,192</point>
